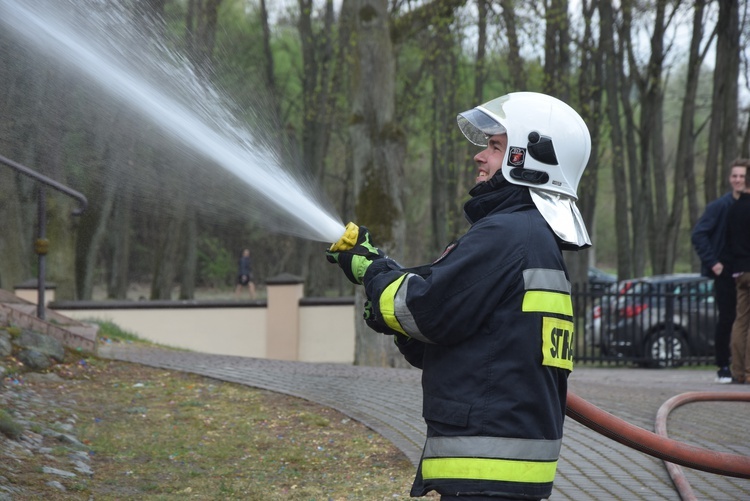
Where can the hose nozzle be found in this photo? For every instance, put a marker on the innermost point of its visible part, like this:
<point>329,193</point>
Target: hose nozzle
<point>348,240</point>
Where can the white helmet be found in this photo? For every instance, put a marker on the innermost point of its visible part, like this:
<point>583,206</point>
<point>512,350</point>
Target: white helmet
<point>548,149</point>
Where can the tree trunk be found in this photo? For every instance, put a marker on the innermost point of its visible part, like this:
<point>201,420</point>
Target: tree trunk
<point>636,225</point>
<point>117,284</point>
<point>189,264</point>
<point>166,225</point>
<point>378,147</point>
<point>590,107</point>
<point>14,265</point>
<point>684,171</point>
<point>723,149</point>
<point>556,50</point>
<point>444,212</point>
<point>516,64</point>
<point>200,31</point>
<point>654,178</point>
<point>619,178</point>
<point>321,86</point>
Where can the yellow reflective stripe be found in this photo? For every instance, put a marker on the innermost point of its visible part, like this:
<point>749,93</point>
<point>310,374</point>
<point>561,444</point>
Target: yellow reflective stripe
<point>387,305</point>
<point>502,470</point>
<point>548,302</point>
<point>557,343</point>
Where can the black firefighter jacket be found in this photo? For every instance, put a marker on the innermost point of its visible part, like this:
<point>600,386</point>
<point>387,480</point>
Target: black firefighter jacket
<point>490,325</point>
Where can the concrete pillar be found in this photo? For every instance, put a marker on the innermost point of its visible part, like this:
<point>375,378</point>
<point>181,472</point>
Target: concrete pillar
<point>282,316</point>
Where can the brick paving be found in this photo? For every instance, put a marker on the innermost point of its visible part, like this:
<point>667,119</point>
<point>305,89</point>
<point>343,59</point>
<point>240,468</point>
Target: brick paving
<point>591,467</point>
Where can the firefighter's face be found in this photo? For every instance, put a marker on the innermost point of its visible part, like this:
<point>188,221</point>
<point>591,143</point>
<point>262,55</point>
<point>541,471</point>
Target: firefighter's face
<point>490,159</point>
<point>737,179</point>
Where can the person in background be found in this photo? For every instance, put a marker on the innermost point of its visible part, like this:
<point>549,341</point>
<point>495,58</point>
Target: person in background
<point>245,275</point>
<point>490,322</point>
<point>738,245</point>
<point>709,238</point>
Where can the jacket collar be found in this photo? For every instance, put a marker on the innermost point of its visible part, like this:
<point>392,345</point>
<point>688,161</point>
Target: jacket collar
<point>496,195</point>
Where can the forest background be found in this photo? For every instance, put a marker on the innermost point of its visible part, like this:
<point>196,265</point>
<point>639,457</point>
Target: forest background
<point>359,99</point>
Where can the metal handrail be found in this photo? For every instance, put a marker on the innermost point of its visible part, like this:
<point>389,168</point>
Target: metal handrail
<point>82,201</point>
<point>42,211</point>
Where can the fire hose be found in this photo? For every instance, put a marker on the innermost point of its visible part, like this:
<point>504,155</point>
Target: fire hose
<point>658,444</point>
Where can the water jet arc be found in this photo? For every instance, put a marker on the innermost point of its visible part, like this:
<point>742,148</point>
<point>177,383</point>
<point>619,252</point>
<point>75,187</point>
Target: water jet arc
<point>50,27</point>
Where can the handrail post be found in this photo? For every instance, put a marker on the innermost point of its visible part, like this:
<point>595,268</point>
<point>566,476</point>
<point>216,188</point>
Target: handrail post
<point>42,259</point>
<point>40,246</point>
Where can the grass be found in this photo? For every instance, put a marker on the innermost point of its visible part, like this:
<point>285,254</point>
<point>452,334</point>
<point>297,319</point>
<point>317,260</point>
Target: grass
<point>9,427</point>
<point>158,434</point>
<point>112,331</point>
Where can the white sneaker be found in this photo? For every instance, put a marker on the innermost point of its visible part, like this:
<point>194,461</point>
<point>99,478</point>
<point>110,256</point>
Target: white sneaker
<point>723,376</point>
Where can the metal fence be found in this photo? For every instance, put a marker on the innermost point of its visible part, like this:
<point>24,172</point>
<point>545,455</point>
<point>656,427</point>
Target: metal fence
<point>648,324</point>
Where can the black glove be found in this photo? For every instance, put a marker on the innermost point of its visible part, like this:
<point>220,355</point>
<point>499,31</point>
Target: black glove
<point>371,316</point>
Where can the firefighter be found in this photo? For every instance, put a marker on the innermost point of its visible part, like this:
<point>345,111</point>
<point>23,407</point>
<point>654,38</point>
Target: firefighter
<point>490,322</point>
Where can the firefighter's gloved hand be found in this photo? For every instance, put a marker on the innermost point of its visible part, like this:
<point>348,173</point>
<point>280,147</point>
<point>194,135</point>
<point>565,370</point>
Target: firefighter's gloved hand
<point>355,259</point>
<point>375,323</point>
<point>353,265</point>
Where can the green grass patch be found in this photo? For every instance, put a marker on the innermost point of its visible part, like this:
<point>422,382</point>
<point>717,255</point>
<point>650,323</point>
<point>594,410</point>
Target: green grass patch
<point>110,330</point>
<point>9,427</point>
<point>167,435</point>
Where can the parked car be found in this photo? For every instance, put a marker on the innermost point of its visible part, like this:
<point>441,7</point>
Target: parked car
<point>599,280</point>
<point>603,301</point>
<point>661,320</point>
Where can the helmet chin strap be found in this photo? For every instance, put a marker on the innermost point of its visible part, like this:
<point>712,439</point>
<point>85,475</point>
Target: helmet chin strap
<point>563,216</point>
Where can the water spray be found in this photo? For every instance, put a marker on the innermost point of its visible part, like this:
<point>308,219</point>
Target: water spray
<point>196,114</point>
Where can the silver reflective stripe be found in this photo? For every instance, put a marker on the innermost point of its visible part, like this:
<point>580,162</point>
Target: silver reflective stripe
<point>543,278</point>
<point>522,449</point>
<point>402,313</point>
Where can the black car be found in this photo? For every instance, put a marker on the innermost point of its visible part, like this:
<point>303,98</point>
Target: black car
<point>599,280</point>
<point>661,321</point>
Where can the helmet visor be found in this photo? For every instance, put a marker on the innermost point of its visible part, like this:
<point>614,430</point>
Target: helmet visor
<point>477,126</point>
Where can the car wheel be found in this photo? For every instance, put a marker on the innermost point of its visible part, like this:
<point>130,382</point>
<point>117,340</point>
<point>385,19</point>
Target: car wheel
<point>666,349</point>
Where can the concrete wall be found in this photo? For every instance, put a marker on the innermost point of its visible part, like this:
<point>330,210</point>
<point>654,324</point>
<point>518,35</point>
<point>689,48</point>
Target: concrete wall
<point>285,327</point>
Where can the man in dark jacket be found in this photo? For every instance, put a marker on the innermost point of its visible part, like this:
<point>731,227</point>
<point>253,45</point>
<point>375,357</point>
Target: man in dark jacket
<point>490,323</point>
<point>738,245</point>
<point>709,237</point>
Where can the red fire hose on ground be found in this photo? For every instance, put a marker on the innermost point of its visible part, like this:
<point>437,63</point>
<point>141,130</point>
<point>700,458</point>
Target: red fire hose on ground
<point>658,444</point>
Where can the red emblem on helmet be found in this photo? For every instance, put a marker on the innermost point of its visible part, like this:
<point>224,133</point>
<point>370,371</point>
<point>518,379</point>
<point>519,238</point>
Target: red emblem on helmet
<point>516,156</point>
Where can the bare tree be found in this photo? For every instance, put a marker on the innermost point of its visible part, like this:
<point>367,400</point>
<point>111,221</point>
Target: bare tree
<point>321,87</point>
<point>518,77</point>
<point>590,91</point>
<point>200,31</point>
<point>612,74</point>
<point>444,212</point>
<point>684,171</point>
<point>722,135</point>
<point>557,49</point>
<point>377,139</point>
<point>378,148</point>
<point>652,172</point>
